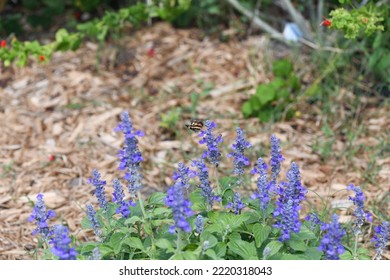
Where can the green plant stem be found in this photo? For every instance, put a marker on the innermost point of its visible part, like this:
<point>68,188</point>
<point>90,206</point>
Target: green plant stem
<point>178,249</point>
<point>355,247</point>
<point>216,180</point>
<point>141,205</point>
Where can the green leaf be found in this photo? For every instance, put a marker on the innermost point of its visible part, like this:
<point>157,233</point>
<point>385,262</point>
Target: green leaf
<point>243,248</point>
<point>247,109</point>
<point>220,249</point>
<point>132,220</point>
<point>261,233</point>
<point>265,94</point>
<point>187,255</point>
<point>134,242</point>
<point>211,239</point>
<point>304,234</point>
<point>346,256</point>
<point>165,244</point>
<point>212,254</point>
<point>282,68</point>
<point>116,242</point>
<point>157,199</point>
<point>297,245</point>
<point>274,247</point>
<point>105,250</point>
<point>313,253</point>
<point>292,257</point>
<point>198,201</point>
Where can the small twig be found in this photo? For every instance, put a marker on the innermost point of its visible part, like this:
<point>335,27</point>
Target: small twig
<point>258,22</point>
<point>255,14</point>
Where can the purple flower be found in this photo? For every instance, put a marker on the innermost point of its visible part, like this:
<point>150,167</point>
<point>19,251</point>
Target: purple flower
<point>60,244</point>
<point>91,214</point>
<point>181,206</point>
<point>199,224</point>
<point>130,156</point>
<point>331,240</point>
<point>183,174</point>
<point>99,185</point>
<point>237,204</point>
<point>40,216</point>
<point>381,238</point>
<point>276,159</point>
<point>212,153</point>
<point>203,174</point>
<point>263,187</point>
<point>118,197</point>
<point>291,193</point>
<point>313,219</point>
<point>239,147</point>
<point>359,213</point>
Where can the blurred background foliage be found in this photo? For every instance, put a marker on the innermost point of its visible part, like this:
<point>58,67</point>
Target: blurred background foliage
<point>362,66</point>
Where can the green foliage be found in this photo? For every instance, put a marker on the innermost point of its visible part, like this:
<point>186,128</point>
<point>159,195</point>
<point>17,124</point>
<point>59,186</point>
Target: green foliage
<point>170,119</point>
<point>271,100</point>
<point>354,21</point>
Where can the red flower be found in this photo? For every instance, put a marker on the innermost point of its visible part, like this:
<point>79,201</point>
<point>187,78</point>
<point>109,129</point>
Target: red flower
<point>326,22</point>
<point>42,58</point>
<point>51,157</point>
<point>150,52</point>
<point>3,43</point>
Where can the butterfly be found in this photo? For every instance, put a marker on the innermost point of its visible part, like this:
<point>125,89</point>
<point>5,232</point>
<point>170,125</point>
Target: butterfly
<point>195,125</point>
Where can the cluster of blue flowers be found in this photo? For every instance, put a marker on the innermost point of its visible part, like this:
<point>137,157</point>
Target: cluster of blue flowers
<point>205,186</point>
<point>291,194</point>
<point>40,216</point>
<point>130,156</point>
<point>181,206</point>
<point>360,214</point>
<point>99,189</point>
<point>57,236</point>
<point>239,147</point>
<point>331,240</point>
<point>212,153</point>
<point>380,239</point>
<point>263,186</point>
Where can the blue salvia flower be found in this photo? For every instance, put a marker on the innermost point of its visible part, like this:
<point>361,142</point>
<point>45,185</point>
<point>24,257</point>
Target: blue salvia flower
<point>60,244</point>
<point>314,220</point>
<point>203,174</point>
<point>236,205</point>
<point>380,239</point>
<point>212,153</point>
<point>276,159</point>
<point>181,207</point>
<point>40,216</point>
<point>99,185</point>
<point>96,255</point>
<point>239,147</point>
<point>183,174</point>
<point>130,156</point>
<point>360,214</point>
<point>118,197</point>
<point>263,187</point>
<point>199,224</point>
<point>291,193</point>
<point>91,214</point>
<point>331,240</point>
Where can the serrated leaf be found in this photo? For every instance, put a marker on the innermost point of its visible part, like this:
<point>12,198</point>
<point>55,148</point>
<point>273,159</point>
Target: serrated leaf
<point>261,233</point>
<point>211,239</point>
<point>243,248</point>
<point>212,254</point>
<point>105,250</point>
<point>132,220</point>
